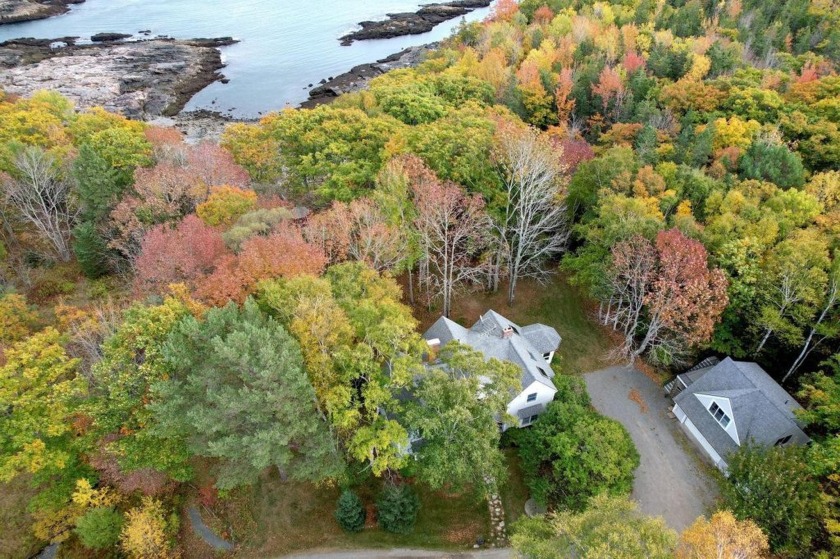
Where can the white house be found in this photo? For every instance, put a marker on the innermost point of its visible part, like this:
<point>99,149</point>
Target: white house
<point>724,404</point>
<point>531,348</point>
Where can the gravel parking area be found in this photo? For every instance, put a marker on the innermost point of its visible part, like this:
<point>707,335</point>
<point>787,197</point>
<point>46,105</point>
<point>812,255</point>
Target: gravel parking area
<point>670,481</point>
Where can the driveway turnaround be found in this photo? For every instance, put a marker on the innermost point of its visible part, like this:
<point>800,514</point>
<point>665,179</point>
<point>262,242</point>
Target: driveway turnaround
<point>403,554</point>
<point>669,481</point>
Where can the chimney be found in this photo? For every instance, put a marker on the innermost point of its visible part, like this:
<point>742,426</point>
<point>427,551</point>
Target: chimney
<point>507,333</point>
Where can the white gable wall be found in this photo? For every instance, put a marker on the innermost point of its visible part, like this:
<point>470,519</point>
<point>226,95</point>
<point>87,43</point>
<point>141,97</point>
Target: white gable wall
<point>726,406</point>
<point>544,396</point>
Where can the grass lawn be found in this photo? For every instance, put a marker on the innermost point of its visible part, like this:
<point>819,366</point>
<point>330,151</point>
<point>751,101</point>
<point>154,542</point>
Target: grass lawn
<point>514,492</point>
<point>585,346</point>
<point>16,539</point>
<point>274,518</point>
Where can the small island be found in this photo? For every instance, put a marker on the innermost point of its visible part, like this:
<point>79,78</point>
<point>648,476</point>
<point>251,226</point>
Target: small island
<point>413,23</point>
<point>15,11</point>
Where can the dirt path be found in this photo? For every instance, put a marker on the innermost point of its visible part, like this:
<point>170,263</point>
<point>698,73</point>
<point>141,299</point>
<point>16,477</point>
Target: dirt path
<point>670,481</point>
<point>205,533</point>
<point>403,554</point>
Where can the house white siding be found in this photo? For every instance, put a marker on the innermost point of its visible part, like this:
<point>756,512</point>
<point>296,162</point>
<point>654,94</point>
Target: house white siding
<point>544,396</point>
<point>697,436</point>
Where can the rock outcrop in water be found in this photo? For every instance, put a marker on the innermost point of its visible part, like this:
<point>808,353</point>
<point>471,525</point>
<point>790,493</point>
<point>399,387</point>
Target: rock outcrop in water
<point>421,21</point>
<point>359,76</point>
<point>13,11</point>
<point>142,79</point>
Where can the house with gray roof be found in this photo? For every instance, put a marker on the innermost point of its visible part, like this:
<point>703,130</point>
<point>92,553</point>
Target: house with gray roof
<point>530,347</point>
<point>724,404</point>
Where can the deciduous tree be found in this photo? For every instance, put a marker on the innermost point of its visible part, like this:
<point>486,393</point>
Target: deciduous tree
<point>532,225</point>
<point>723,536</point>
<point>37,385</point>
<point>775,488</point>
<point>452,231</point>
<point>183,254</point>
<point>455,411</point>
<point>571,454</point>
<point>41,193</point>
<point>609,528</point>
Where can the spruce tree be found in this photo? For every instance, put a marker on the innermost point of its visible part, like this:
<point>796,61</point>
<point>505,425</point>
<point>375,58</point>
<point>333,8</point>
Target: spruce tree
<point>350,512</point>
<point>396,509</point>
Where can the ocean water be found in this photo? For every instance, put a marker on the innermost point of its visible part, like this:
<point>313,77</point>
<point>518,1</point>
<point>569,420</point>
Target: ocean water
<point>285,45</point>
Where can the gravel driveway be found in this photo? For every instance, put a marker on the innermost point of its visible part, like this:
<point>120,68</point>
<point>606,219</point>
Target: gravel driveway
<point>669,482</point>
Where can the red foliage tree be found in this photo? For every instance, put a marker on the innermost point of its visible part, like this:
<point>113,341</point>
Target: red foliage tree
<point>633,61</point>
<point>284,253</point>
<point>213,165</point>
<point>665,294</point>
<point>183,254</point>
<point>543,15</point>
<point>504,10</point>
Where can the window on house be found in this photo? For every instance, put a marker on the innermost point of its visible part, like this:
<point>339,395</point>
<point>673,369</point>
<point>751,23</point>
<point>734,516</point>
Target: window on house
<point>532,397</point>
<point>547,356</point>
<point>719,414</point>
<point>783,440</point>
<point>533,418</point>
<point>543,372</point>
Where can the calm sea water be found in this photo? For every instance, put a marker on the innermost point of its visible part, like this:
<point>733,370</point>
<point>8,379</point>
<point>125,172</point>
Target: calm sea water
<point>285,44</point>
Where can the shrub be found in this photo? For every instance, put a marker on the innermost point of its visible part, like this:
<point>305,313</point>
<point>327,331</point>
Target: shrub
<point>100,527</point>
<point>572,453</point>
<point>350,512</point>
<point>396,509</point>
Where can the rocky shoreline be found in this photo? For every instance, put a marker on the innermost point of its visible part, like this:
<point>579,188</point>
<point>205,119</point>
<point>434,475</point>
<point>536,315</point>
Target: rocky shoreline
<point>16,11</point>
<point>139,79</point>
<point>358,77</point>
<point>413,23</point>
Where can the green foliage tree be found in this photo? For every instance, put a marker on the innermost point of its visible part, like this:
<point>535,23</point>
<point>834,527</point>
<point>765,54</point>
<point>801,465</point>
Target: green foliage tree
<point>397,508</point>
<point>776,489</point>
<point>571,454</point>
<point>98,184</point>
<point>132,361</point>
<point>608,528</point>
<point>459,430</point>
<point>237,392</point>
<point>99,528</point>
<point>350,512</point>
<point>91,250</point>
<point>332,153</point>
<point>773,163</point>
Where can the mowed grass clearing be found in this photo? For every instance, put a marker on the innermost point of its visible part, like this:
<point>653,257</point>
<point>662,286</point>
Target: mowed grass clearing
<point>272,518</point>
<point>586,345</point>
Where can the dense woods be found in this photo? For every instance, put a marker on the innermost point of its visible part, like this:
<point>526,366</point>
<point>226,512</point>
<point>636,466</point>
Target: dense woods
<point>167,306</point>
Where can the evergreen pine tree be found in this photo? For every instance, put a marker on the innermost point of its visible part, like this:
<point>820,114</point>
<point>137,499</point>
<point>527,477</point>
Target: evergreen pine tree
<point>91,251</point>
<point>350,512</point>
<point>396,509</point>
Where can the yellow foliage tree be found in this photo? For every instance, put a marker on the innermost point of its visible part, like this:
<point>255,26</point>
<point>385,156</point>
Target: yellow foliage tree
<point>144,534</point>
<point>16,318</point>
<point>226,204</point>
<point>735,132</point>
<point>724,537</point>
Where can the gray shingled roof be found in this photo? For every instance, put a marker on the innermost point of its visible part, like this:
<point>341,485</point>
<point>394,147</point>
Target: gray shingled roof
<point>762,410</point>
<point>536,409</point>
<point>486,336</point>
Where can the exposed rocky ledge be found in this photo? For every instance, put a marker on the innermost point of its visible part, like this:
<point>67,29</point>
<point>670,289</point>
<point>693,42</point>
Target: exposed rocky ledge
<point>421,21</point>
<point>13,11</point>
<point>140,79</point>
<point>359,76</point>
